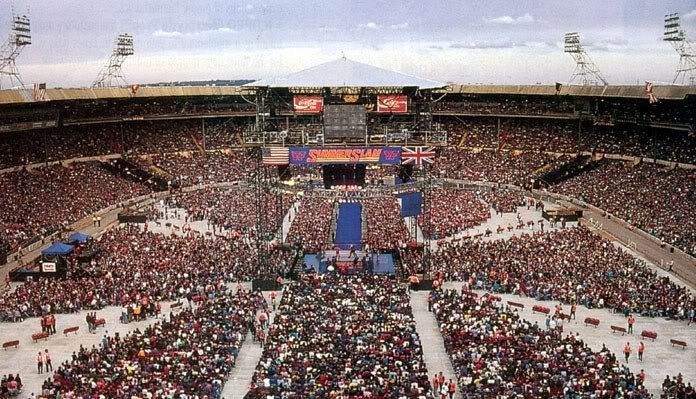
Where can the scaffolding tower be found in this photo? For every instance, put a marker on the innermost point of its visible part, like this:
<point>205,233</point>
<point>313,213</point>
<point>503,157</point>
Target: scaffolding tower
<point>676,36</point>
<point>586,71</point>
<point>20,37</point>
<point>111,75</point>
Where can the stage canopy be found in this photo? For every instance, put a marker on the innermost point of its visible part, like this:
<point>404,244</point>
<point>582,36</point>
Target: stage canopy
<point>78,237</point>
<point>58,248</point>
<point>346,73</point>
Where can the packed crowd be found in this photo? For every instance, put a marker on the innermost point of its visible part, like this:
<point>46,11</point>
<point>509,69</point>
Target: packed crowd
<point>507,106</point>
<point>571,265</point>
<point>451,211</point>
<point>233,209</point>
<point>155,137</point>
<point>134,264</point>
<point>190,355</point>
<point>342,336</point>
<point>502,200</point>
<point>385,227</point>
<point>495,353</point>
<point>312,223</point>
<point>505,167</point>
<point>195,168</point>
<point>677,388</point>
<point>653,198</point>
<point>35,203</point>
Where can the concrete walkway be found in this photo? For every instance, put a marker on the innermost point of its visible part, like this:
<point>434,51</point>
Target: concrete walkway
<point>436,358</point>
<point>238,382</point>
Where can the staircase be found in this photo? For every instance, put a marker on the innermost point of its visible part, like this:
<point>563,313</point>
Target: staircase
<point>576,166</point>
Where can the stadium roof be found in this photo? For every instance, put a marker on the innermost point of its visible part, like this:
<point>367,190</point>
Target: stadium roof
<point>346,73</point>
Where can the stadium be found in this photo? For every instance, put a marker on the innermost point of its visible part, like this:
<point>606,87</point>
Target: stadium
<point>347,231</point>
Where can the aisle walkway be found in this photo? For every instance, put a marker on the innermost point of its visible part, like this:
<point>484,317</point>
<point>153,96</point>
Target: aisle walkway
<point>237,384</point>
<point>436,359</point>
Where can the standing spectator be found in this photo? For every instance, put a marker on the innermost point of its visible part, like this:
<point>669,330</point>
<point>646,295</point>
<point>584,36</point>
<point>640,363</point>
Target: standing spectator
<point>631,322</point>
<point>451,388</point>
<point>641,349</point>
<point>627,351</point>
<point>47,359</point>
<point>39,362</point>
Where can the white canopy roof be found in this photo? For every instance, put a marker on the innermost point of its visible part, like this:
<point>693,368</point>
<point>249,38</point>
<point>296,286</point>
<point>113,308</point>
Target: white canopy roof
<point>346,73</point>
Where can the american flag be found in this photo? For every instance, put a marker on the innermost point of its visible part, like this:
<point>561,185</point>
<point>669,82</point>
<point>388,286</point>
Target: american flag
<point>275,156</point>
<point>417,155</point>
<point>649,92</point>
<point>39,92</point>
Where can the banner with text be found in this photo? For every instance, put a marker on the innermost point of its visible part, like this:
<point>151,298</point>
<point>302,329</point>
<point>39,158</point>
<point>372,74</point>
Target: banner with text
<point>393,104</point>
<point>345,155</point>
<point>308,104</point>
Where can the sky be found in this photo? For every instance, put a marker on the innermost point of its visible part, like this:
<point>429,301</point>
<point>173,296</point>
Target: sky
<point>455,41</point>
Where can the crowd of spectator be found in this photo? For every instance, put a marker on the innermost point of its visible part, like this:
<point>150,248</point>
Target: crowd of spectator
<point>192,168</point>
<point>451,211</point>
<point>505,167</point>
<point>312,223</point>
<point>385,228</point>
<point>503,200</point>
<point>677,388</point>
<point>570,265</point>
<point>134,263</point>
<point>342,336</point>
<point>234,209</point>
<point>153,137</point>
<point>495,353</point>
<point>189,355</point>
<point>651,197</point>
<point>36,203</point>
<point>506,106</point>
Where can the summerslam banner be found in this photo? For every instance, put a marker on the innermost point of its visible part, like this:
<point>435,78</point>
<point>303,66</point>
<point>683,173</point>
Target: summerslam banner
<point>345,155</point>
<point>308,104</point>
<point>393,104</point>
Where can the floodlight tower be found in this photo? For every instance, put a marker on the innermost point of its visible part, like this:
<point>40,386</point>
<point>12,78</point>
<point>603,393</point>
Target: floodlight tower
<point>675,35</point>
<point>586,70</point>
<point>111,74</point>
<point>20,37</point>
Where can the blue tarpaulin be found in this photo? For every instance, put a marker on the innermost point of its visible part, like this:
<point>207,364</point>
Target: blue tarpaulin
<point>78,237</point>
<point>58,248</point>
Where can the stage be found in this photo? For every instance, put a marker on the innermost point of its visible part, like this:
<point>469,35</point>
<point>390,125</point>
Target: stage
<point>347,264</point>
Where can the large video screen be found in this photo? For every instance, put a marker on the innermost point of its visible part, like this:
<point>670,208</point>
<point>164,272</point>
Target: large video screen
<point>344,121</point>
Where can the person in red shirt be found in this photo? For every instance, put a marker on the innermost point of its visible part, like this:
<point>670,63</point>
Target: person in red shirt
<point>641,349</point>
<point>627,351</point>
<point>451,388</point>
<point>631,322</point>
<point>39,362</point>
<point>47,359</point>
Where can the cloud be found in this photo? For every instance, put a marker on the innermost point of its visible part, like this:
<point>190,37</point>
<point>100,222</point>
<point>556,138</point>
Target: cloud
<point>162,33</point>
<point>690,16</point>
<point>607,44</point>
<point>403,25</point>
<point>527,18</point>
<point>176,34</point>
<point>483,44</point>
<point>370,25</point>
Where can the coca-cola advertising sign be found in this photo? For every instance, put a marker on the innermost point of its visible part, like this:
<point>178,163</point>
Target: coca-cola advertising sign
<point>393,104</point>
<point>308,104</point>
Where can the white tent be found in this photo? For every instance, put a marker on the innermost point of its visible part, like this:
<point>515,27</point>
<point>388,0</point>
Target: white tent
<point>346,73</point>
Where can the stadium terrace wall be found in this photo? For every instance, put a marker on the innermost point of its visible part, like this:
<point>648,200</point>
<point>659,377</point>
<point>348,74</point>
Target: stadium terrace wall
<point>665,92</point>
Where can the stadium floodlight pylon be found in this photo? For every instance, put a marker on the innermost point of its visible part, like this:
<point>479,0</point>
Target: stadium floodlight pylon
<point>20,37</point>
<point>676,36</point>
<point>111,75</point>
<point>586,71</point>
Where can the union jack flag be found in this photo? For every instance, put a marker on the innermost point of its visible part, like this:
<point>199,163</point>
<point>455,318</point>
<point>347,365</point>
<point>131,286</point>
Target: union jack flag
<point>417,155</point>
<point>649,92</point>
